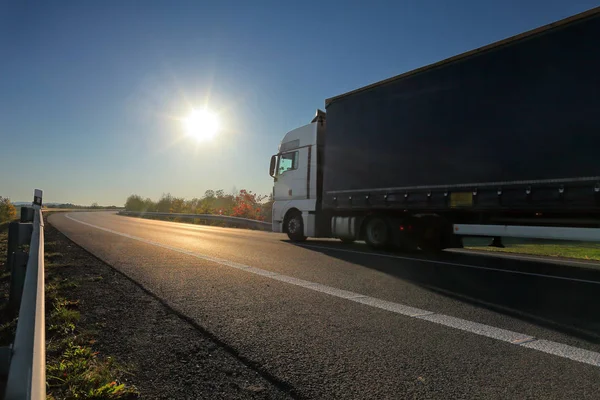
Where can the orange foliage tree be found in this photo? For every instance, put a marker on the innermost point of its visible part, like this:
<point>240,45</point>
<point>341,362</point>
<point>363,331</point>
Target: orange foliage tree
<point>248,205</point>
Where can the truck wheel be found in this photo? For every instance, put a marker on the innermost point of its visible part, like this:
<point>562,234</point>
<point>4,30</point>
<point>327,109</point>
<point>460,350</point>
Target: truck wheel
<point>295,228</point>
<point>377,233</point>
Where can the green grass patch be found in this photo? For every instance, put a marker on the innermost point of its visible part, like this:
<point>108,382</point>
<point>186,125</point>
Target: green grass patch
<point>63,317</point>
<point>52,257</point>
<point>58,265</point>
<point>74,370</point>
<point>550,248</point>
<point>49,247</point>
<point>80,373</point>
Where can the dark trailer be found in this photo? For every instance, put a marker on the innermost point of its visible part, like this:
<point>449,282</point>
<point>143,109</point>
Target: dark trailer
<point>506,133</point>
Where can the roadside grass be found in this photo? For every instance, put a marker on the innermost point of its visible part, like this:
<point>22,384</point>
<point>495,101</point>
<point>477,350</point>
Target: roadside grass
<point>74,370</point>
<point>550,248</point>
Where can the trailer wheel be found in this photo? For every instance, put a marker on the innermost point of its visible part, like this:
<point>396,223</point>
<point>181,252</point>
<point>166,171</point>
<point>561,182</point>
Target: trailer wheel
<point>295,227</point>
<point>377,233</point>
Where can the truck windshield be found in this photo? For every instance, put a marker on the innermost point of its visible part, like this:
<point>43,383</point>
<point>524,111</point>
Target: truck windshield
<point>287,162</point>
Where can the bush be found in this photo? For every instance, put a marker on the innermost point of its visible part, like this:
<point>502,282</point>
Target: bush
<point>8,211</point>
<point>245,204</point>
<point>135,203</point>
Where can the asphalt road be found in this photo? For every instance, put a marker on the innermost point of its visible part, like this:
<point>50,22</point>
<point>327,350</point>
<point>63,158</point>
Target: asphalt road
<point>337,321</point>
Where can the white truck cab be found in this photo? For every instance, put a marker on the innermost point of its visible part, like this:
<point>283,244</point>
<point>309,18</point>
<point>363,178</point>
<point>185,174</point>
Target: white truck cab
<point>295,174</point>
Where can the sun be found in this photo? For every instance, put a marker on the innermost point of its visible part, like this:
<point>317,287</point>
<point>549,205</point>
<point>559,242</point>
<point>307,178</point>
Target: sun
<point>201,125</point>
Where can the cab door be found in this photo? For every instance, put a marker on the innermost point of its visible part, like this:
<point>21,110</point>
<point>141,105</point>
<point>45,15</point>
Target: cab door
<point>291,175</point>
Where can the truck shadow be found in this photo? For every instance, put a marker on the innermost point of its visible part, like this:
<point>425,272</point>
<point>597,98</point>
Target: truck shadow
<point>566,306</point>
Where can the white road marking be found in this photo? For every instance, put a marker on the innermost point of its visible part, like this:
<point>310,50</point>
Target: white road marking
<point>514,338</point>
<point>474,327</point>
<point>424,260</point>
<point>393,307</point>
<point>565,351</point>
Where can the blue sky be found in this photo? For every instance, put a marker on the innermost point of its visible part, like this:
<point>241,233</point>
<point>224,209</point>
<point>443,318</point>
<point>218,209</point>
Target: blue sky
<point>90,92</point>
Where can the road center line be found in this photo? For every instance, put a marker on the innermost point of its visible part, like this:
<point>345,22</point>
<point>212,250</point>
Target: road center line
<point>564,278</point>
<point>514,338</point>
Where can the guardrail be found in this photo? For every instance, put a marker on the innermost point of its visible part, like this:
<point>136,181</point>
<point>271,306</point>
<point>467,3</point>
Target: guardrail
<point>25,360</point>
<point>249,223</point>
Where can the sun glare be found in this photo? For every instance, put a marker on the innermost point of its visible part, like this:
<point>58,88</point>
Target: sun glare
<point>201,125</point>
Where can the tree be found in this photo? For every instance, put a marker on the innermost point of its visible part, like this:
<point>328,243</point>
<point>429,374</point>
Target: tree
<point>134,203</point>
<point>224,203</point>
<point>149,205</point>
<point>164,204</point>
<point>7,210</point>
<point>267,209</point>
<point>177,205</point>
<point>248,205</point>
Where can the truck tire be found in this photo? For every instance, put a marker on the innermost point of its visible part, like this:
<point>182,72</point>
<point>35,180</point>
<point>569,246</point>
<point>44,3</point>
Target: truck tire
<point>377,233</point>
<point>295,227</point>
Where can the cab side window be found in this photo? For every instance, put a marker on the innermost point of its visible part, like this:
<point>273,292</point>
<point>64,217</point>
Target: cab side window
<point>287,162</point>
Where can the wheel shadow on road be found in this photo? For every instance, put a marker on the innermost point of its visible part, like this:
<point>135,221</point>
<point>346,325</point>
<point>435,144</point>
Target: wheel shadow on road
<point>566,306</point>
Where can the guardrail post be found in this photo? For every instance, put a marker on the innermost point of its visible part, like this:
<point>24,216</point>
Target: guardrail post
<point>17,279</point>
<point>18,234</point>
<point>13,233</point>
<point>27,214</point>
<point>5,355</point>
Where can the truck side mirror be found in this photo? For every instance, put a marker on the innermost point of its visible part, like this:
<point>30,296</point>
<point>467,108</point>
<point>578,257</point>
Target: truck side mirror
<point>272,166</point>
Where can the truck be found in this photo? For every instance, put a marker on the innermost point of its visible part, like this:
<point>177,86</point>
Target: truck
<point>501,141</point>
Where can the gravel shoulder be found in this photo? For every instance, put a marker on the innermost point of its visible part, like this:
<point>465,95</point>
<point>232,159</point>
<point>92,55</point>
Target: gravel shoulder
<point>165,355</point>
